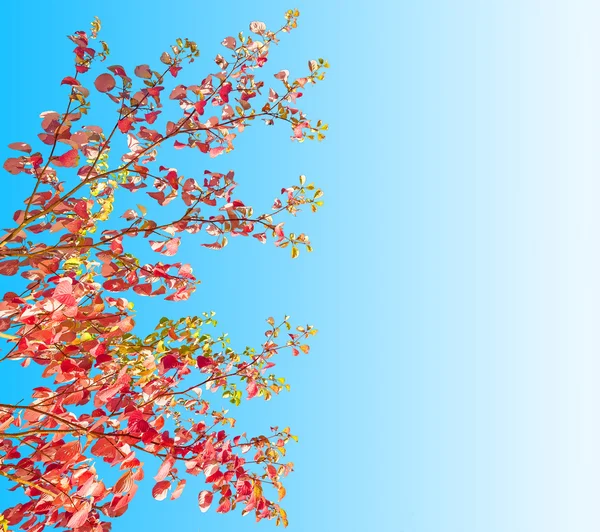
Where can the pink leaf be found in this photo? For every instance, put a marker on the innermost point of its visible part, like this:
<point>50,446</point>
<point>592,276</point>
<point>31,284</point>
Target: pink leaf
<point>228,42</point>
<point>252,389</point>
<point>14,165</point>
<point>20,146</point>
<point>172,247</point>
<point>214,245</point>
<point>143,71</point>
<point>215,152</point>
<point>258,27</point>
<point>178,490</point>
<point>79,518</point>
<point>130,214</point>
<point>63,293</point>
<point>165,468</point>
<point>282,75</point>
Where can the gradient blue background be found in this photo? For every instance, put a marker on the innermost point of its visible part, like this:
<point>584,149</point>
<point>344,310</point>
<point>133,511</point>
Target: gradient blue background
<point>453,386</point>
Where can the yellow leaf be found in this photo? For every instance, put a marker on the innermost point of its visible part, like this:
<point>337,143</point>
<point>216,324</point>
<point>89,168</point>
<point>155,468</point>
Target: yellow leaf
<point>281,492</point>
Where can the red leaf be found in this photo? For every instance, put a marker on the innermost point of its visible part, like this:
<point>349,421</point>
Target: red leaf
<point>151,117</point>
<point>204,500</point>
<point>116,285</point>
<point>200,106</point>
<point>203,362</point>
<point>159,491</point>
<point>125,125</point>
<point>224,507</point>
<point>143,289</point>
<point>9,267</point>
<point>261,237</point>
<point>118,70</point>
<point>224,91</point>
<point>100,359</point>
<point>210,470</point>
<point>69,80</point>
<point>179,145</point>
<point>105,82</point>
<point>137,423</point>
<point>169,361</point>
<point>67,160</point>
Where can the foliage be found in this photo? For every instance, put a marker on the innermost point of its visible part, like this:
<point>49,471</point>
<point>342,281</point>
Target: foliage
<point>110,394</point>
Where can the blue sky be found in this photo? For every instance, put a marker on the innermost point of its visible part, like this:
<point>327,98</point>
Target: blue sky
<point>453,385</point>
